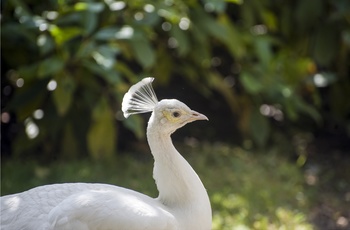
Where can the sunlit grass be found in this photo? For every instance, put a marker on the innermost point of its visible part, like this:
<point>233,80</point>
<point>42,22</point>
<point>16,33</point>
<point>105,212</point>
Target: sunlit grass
<point>247,190</point>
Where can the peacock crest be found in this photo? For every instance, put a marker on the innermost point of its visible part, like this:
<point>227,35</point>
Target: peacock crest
<point>140,98</point>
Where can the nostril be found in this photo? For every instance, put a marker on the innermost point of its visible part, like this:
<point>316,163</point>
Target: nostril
<point>198,116</point>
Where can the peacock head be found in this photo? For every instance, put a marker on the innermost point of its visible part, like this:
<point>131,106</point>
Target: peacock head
<point>173,114</point>
<point>169,114</point>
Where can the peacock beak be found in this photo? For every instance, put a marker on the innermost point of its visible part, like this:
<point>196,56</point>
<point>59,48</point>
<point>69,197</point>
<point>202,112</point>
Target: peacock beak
<point>195,116</point>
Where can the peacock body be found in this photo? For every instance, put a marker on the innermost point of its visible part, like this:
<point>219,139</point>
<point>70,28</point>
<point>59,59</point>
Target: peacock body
<point>182,203</point>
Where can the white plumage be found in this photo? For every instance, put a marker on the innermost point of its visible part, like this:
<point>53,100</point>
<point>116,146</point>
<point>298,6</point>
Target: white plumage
<point>182,203</point>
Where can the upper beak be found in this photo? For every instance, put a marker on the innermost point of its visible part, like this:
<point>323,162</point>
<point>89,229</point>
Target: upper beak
<point>195,116</point>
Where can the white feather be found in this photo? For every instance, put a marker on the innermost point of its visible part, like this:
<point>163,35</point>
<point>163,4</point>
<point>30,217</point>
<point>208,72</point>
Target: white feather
<point>140,98</point>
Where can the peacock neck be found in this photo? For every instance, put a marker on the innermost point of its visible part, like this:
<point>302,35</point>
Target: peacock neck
<point>177,182</point>
<point>180,188</point>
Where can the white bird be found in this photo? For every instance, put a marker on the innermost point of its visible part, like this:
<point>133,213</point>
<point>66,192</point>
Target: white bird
<point>182,203</point>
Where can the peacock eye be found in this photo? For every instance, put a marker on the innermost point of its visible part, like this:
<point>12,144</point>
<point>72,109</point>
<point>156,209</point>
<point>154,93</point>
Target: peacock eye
<point>176,114</point>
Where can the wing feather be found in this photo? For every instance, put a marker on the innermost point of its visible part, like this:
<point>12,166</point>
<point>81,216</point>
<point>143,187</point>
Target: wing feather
<point>83,206</point>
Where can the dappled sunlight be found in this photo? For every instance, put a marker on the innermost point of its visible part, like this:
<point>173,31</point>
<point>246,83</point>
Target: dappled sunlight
<point>52,85</point>
<point>31,128</point>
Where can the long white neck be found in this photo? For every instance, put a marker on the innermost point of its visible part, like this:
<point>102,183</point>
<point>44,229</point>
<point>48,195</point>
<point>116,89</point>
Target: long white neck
<point>178,184</point>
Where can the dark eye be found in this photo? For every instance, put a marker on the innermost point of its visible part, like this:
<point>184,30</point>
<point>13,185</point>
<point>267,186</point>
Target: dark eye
<point>176,114</point>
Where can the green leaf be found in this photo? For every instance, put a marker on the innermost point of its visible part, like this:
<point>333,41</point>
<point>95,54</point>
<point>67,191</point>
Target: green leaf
<point>207,23</point>
<point>45,44</point>
<point>171,14</point>
<point>150,19</point>
<point>270,20</point>
<point>218,6</point>
<point>143,51</point>
<point>113,33</point>
<point>70,149</point>
<point>50,66</point>
<point>110,75</point>
<point>136,125</point>
<point>263,49</point>
<point>234,40</point>
<point>182,39</point>
<point>62,35</point>
<point>29,71</point>
<point>125,70</point>
<point>290,109</point>
<point>259,128</point>
<point>95,7</point>
<point>69,18</point>
<point>85,49</point>
<point>251,84</point>
<point>107,33</point>
<point>105,56</point>
<point>63,94</point>
<point>164,66</point>
<point>239,2</point>
<point>310,110</point>
<point>102,133</point>
<point>89,21</point>
<point>11,30</point>
<point>28,98</point>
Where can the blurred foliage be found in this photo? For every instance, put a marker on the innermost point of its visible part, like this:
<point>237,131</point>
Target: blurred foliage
<point>74,60</point>
<point>247,191</point>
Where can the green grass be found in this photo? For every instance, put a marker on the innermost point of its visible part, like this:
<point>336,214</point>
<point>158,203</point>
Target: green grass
<point>247,191</point>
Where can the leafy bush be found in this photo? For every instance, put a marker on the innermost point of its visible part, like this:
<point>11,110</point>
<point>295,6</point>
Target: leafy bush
<point>73,60</point>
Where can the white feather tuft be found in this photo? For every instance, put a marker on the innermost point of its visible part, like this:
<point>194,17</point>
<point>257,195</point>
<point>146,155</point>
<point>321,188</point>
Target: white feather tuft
<point>140,98</point>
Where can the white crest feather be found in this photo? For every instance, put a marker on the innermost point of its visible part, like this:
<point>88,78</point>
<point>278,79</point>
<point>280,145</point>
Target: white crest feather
<point>140,98</point>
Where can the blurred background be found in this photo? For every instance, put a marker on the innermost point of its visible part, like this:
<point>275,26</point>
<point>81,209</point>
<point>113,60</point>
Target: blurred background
<point>271,75</point>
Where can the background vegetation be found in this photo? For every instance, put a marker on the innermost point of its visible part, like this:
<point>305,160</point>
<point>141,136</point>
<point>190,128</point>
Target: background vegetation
<point>271,75</point>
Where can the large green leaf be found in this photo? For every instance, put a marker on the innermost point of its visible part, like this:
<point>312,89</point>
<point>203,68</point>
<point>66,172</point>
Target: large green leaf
<point>105,56</point>
<point>114,32</point>
<point>86,49</point>
<point>263,49</point>
<point>45,43</point>
<point>218,6</point>
<point>309,110</point>
<point>107,33</point>
<point>143,51</point>
<point>136,125</point>
<point>95,7</point>
<point>63,94</point>
<point>29,72</point>
<point>181,37</point>
<point>259,128</point>
<point>50,66</point>
<point>110,75</point>
<point>70,149</point>
<point>62,35</point>
<point>28,98</point>
<point>89,21</point>
<point>251,83</point>
<point>234,40</point>
<point>207,23</point>
<point>163,69</point>
<point>102,133</point>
